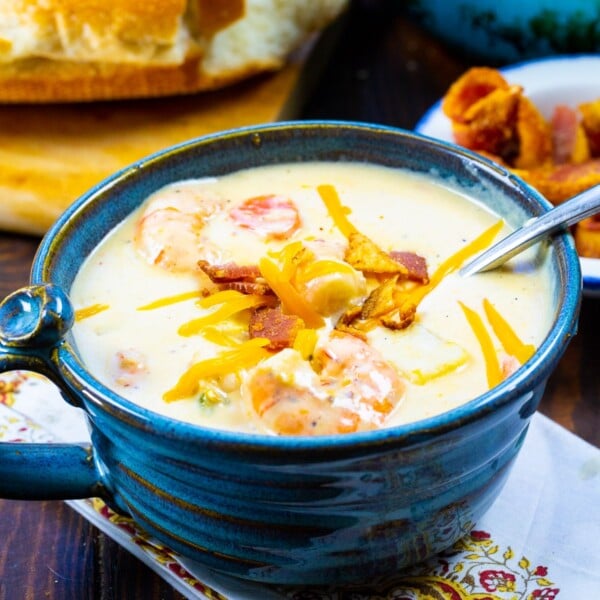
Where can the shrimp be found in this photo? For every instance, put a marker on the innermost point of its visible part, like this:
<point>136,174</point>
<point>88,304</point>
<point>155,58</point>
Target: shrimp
<point>271,216</point>
<point>169,233</point>
<point>348,386</point>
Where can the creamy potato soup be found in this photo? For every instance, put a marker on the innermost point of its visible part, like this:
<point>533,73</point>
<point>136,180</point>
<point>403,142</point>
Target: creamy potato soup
<point>305,299</point>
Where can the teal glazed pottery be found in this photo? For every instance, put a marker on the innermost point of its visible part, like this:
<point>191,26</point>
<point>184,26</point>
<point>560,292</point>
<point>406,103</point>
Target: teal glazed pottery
<point>276,509</point>
<point>503,32</point>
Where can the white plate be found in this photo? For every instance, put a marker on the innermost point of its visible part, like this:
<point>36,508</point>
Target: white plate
<point>569,80</point>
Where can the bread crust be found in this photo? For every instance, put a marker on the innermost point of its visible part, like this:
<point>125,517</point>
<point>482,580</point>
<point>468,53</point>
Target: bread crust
<point>44,80</point>
<point>86,50</point>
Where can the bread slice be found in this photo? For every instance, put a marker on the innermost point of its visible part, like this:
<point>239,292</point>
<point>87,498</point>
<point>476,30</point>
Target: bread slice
<point>82,50</point>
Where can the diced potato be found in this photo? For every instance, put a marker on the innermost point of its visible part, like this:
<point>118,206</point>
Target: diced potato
<point>418,353</point>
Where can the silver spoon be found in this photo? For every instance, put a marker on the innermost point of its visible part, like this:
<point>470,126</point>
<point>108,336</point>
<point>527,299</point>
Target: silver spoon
<point>557,219</point>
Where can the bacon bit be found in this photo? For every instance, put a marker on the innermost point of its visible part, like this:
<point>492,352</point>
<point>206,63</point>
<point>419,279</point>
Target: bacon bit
<point>272,216</point>
<point>568,137</point>
<point>365,255</point>
<point>241,278</point>
<point>416,265</point>
<point>272,323</point>
<point>590,121</point>
<point>229,271</point>
<point>253,288</point>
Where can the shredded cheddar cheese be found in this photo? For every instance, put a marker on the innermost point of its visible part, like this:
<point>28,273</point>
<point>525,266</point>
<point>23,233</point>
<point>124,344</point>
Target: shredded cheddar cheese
<point>168,300</point>
<point>220,337</point>
<point>506,335</point>
<point>287,258</point>
<point>492,365</point>
<point>226,310</point>
<point>291,300</point>
<point>247,355</point>
<point>321,268</point>
<point>337,211</point>
<point>90,311</point>
<point>305,342</point>
<point>220,298</point>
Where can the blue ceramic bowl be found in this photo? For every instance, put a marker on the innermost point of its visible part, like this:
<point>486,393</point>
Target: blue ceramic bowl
<point>276,509</point>
<point>511,31</point>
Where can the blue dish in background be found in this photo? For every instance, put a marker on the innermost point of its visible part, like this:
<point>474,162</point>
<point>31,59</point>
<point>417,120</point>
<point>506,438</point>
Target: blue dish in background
<point>510,31</point>
<point>548,82</point>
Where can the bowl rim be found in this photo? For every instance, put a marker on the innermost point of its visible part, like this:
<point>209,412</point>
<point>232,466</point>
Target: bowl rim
<point>535,370</point>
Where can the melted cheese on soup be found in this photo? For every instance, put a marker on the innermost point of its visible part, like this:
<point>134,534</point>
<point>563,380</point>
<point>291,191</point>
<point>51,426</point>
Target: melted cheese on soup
<point>291,299</point>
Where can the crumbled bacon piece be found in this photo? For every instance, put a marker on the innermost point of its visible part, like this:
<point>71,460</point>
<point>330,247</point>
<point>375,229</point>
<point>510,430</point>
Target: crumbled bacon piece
<point>416,265</point>
<point>568,136</point>
<point>272,323</point>
<point>229,271</point>
<point>590,112</point>
<point>254,288</point>
<point>242,278</point>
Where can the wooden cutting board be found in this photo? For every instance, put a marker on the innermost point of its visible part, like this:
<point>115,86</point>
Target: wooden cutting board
<point>51,154</point>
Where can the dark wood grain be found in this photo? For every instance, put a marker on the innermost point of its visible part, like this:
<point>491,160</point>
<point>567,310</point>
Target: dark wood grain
<point>385,70</point>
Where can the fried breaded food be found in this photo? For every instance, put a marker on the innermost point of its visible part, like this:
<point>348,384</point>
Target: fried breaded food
<point>560,157</point>
<point>587,237</point>
<point>365,255</point>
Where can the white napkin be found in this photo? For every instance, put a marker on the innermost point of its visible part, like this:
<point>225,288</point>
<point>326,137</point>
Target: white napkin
<point>540,540</point>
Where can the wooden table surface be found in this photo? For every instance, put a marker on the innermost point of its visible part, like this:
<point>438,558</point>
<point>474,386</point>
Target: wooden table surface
<point>385,70</point>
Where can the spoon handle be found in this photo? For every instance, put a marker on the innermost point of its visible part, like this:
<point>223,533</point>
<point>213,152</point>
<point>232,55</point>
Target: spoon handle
<point>572,211</point>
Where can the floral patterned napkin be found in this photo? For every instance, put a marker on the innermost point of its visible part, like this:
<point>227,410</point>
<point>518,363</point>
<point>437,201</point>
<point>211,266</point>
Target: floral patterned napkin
<point>539,541</point>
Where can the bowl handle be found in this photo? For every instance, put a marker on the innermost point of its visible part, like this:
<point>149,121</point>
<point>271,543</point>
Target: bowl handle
<point>33,322</point>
